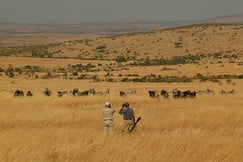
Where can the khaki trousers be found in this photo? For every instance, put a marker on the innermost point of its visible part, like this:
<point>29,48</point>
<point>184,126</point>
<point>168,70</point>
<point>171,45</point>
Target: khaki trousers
<point>127,125</point>
<point>108,125</point>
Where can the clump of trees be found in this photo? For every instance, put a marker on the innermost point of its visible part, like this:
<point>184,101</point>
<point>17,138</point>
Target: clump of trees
<point>31,51</point>
<point>120,59</point>
<point>187,59</point>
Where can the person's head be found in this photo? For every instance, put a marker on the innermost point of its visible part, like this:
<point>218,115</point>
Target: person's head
<point>126,104</point>
<point>107,104</point>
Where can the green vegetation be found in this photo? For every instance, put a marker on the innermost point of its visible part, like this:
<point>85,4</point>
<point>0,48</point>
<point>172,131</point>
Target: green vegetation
<point>120,59</point>
<point>81,72</point>
<point>158,78</point>
<point>10,71</point>
<point>101,49</point>
<point>40,51</point>
<point>30,51</point>
<point>187,59</point>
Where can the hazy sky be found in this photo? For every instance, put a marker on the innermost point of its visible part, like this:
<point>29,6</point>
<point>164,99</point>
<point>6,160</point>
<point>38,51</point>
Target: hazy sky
<point>78,11</point>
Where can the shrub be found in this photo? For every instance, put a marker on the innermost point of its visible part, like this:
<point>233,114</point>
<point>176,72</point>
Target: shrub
<point>101,48</point>
<point>75,73</point>
<point>120,59</point>
<point>19,70</point>
<point>1,70</point>
<point>82,76</point>
<point>125,80</point>
<point>109,80</point>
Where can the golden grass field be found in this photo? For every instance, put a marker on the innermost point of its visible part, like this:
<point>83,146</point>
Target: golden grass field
<point>205,128</point>
<point>39,128</point>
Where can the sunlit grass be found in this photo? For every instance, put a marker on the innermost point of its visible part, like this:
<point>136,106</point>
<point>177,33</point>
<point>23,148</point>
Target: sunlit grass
<point>207,128</point>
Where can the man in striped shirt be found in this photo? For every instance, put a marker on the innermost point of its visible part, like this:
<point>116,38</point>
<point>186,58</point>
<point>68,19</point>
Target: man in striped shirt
<point>128,117</point>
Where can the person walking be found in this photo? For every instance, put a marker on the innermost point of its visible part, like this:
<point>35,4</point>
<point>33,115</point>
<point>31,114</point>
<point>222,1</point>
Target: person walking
<point>128,117</point>
<point>108,118</point>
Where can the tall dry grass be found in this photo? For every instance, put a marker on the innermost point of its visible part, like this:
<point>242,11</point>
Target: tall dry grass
<point>207,128</point>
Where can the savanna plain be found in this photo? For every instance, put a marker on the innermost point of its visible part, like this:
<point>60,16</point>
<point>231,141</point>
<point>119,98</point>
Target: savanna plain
<point>208,127</point>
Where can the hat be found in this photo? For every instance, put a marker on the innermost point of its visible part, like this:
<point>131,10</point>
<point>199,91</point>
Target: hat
<point>107,104</point>
<point>126,104</point>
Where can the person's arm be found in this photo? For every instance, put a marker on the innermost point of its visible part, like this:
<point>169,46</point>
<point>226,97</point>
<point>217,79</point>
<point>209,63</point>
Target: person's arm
<point>121,110</point>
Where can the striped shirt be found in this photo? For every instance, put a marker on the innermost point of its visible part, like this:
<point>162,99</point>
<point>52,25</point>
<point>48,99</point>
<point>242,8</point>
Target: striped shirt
<point>127,112</point>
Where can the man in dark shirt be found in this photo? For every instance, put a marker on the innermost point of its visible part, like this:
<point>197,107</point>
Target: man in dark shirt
<point>128,117</point>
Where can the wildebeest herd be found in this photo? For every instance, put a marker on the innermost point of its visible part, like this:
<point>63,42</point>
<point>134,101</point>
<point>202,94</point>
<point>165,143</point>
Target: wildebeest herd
<point>74,92</point>
<point>175,93</point>
<point>19,93</point>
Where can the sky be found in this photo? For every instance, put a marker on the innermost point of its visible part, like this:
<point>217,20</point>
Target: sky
<point>90,11</point>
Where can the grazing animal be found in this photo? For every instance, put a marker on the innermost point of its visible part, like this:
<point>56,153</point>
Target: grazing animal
<point>231,92</point>
<point>164,93</point>
<point>153,94</point>
<point>103,93</point>
<point>84,93</point>
<point>47,92</point>
<point>124,94</point>
<point>207,91</point>
<point>222,92</point>
<point>188,94</point>
<point>61,93</point>
<point>18,93</point>
<point>75,92</point>
<point>134,91</point>
<point>176,93</point>
<point>92,91</point>
<point>29,94</point>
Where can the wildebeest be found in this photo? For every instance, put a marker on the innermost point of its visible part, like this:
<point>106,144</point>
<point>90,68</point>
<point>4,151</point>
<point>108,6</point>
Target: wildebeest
<point>92,91</point>
<point>47,92</point>
<point>29,94</point>
<point>100,93</point>
<point>184,94</point>
<point>125,93</point>
<point>188,94</point>
<point>84,93</point>
<point>176,93</point>
<point>222,92</point>
<point>74,92</point>
<point>122,94</point>
<point>153,94</point>
<point>207,91</point>
<point>18,93</point>
<point>164,93</point>
<point>231,91</point>
<point>62,93</point>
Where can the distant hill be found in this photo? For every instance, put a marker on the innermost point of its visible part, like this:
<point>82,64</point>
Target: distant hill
<point>233,19</point>
<point>129,25</point>
<point>164,43</point>
<point>12,34</point>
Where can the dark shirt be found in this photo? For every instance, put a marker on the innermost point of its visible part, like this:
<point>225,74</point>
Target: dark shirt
<point>127,112</point>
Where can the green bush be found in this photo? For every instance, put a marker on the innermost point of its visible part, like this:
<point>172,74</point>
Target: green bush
<point>109,80</point>
<point>101,49</point>
<point>1,70</point>
<point>120,59</point>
